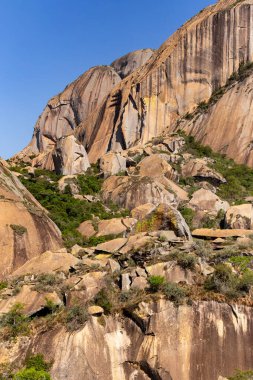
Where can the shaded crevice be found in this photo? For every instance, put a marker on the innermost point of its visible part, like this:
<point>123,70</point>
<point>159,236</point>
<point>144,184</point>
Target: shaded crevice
<point>152,373</point>
<point>141,323</point>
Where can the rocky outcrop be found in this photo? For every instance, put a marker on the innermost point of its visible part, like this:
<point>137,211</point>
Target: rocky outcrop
<point>183,72</point>
<point>130,192</point>
<point>194,334</point>
<point>70,157</point>
<point>205,200</point>
<point>131,61</point>
<point>226,126</point>
<point>25,229</point>
<point>112,163</point>
<point>240,217</point>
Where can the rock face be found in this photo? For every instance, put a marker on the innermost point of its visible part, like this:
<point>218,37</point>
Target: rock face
<point>25,229</point>
<point>205,200</point>
<point>240,217</point>
<point>131,61</point>
<point>227,126</point>
<point>130,192</point>
<point>190,334</point>
<point>184,71</point>
<point>70,157</point>
<point>67,110</point>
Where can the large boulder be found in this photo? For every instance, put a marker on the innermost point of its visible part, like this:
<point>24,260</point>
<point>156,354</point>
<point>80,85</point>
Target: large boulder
<point>112,163</point>
<point>25,229</point>
<point>70,157</point>
<point>48,262</point>
<point>198,168</point>
<point>240,217</point>
<point>130,192</point>
<point>206,200</point>
<point>165,217</point>
<point>32,300</point>
<point>212,233</point>
<point>155,166</point>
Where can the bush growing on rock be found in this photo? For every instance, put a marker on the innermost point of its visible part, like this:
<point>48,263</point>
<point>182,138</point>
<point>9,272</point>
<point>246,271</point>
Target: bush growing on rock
<point>31,374</point>
<point>76,317</point>
<point>15,321</point>
<point>156,283</point>
<point>174,293</point>
<point>242,375</point>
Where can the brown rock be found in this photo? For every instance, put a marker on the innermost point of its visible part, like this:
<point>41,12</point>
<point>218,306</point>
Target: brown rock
<point>25,229</point>
<point>87,229</point>
<point>205,200</point>
<point>198,168</point>
<point>30,299</point>
<point>115,226</point>
<point>240,217</point>
<point>165,217</point>
<point>112,163</point>
<point>130,192</point>
<point>47,262</point>
<point>206,232</point>
<point>142,211</point>
<point>139,283</point>
<point>112,245</point>
<point>95,310</point>
<point>130,62</point>
<point>69,156</point>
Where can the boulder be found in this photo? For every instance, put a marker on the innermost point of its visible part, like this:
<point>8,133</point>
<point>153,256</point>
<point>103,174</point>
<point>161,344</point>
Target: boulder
<point>240,217</point>
<point>198,168</point>
<point>130,192</point>
<point>113,265</point>
<point>154,166</point>
<point>205,200</point>
<point>210,233</point>
<point>112,245</point>
<point>95,310</point>
<point>142,211</point>
<point>90,284</point>
<point>139,283</point>
<point>32,300</point>
<point>115,226</point>
<point>87,229</point>
<point>48,262</point>
<point>171,272</point>
<point>137,241</point>
<point>112,163</point>
<point>70,157</point>
<point>71,181</point>
<point>165,217</point>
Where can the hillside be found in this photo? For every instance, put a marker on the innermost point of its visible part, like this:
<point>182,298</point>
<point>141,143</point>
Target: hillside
<point>126,225</point>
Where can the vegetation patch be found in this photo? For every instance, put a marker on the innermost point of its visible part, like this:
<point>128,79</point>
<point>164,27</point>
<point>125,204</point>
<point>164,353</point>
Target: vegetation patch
<point>18,229</point>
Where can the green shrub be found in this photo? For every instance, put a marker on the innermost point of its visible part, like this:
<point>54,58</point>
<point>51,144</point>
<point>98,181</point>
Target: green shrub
<point>38,362</point>
<point>242,375</point>
<point>103,300</point>
<point>188,215</point>
<point>89,184</point>
<point>76,317</point>
<point>3,285</point>
<point>18,229</point>
<point>156,283</point>
<point>174,293</point>
<point>16,322</point>
<point>31,374</point>
<point>186,260</point>
<point>246,281</point>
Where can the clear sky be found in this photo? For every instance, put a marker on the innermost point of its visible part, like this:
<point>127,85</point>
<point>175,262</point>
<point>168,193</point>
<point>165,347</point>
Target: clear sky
<point>46,44</point>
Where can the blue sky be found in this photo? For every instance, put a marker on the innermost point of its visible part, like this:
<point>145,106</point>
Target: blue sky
<point>46,44</point>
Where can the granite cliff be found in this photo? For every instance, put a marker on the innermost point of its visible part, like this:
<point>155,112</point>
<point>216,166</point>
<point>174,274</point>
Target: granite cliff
<point>155,280</point>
